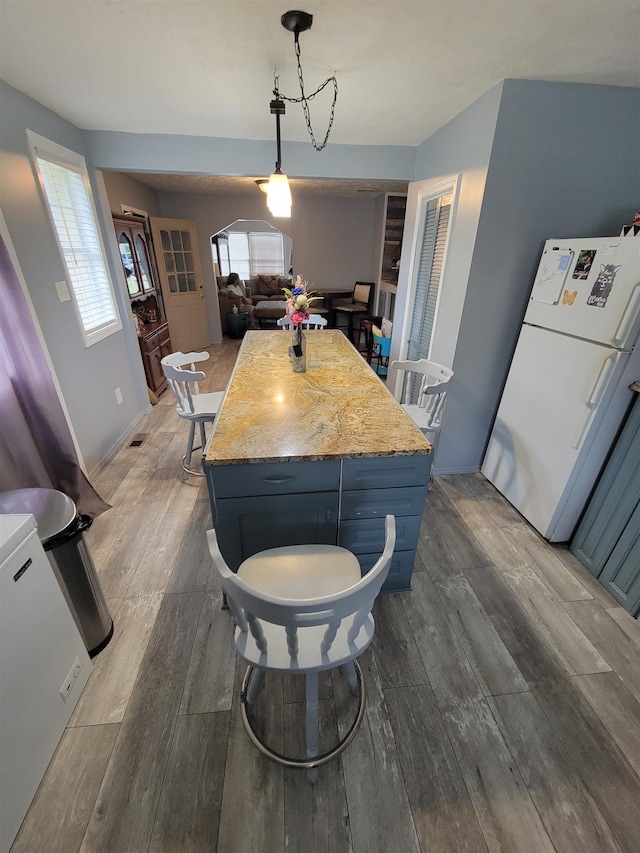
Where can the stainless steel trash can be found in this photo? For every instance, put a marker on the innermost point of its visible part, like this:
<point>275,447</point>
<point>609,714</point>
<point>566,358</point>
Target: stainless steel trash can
<point>60,529</point>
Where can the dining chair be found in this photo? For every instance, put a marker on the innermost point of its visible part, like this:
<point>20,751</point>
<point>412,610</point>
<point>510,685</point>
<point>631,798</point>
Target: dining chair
<point>197,408</point>
<point>303,609</point>
<point>380,351</point>
<point>315,321</point>
<point>423,395</point>
<point>359,305</point>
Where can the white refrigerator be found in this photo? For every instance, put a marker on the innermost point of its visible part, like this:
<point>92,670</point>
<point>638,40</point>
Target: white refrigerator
<point>567,391</point>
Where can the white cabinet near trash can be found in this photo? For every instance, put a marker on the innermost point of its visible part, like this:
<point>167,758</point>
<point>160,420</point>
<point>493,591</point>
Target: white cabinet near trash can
<point>43,667</point>
<point>60,528</point>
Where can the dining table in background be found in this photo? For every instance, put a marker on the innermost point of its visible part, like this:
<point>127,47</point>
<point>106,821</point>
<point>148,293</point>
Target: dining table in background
<point>328,296</point>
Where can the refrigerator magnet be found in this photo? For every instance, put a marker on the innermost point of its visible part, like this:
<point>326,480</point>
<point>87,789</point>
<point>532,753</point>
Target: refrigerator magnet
<point>551,276</point>
<point>602,285</point>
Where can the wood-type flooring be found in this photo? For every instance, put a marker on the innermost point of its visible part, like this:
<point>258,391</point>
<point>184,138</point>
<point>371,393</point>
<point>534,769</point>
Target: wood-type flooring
<point>503,693</point>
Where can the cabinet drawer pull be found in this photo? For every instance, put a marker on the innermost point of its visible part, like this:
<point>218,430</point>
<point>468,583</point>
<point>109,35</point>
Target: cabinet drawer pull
<point>277,481</point>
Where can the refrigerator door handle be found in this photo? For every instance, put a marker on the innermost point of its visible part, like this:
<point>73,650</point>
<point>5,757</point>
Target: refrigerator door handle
<point>604,374</point>
<point>628,315</point>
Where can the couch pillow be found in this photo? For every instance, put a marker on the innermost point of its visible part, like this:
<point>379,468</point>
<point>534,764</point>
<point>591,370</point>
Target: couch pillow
<point>268,285</point>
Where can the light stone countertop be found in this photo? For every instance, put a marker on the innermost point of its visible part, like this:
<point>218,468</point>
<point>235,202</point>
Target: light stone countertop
<point>338,409</point>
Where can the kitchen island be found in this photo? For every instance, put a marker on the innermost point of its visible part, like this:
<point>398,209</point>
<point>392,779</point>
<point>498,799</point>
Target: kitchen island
<point>320,456</point>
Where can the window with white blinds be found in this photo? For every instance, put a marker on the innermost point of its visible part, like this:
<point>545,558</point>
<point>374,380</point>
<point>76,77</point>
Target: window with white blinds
<point>253,252</point>
<point>65,183</point>
<point>267,253</point>
<point>434,239</point>
<point>239,254</point>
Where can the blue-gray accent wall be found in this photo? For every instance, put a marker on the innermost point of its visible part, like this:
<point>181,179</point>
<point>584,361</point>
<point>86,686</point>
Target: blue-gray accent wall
<point>88,376</point>
<point>564,163</point>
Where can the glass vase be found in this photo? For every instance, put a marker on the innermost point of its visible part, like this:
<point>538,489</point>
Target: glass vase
<point>298,351</point>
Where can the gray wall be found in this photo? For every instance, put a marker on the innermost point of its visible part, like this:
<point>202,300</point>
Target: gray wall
<point>87,376</point>
<point>121,189</point>
<point>462,149</point>
<point>334,238</point>
<point>198,155</point>
<point>564,163</point>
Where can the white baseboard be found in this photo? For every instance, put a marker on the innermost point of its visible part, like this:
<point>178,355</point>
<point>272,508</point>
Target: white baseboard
<point>124,437</point>
<point>454,470</point>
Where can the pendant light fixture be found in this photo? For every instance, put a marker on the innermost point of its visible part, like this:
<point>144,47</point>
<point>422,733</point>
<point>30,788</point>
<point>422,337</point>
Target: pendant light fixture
<point>277,188</point>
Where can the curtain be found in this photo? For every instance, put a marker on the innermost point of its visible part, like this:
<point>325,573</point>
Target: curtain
<point>36,448</point>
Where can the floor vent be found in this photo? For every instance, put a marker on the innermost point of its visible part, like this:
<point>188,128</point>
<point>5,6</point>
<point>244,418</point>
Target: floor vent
<point>138,439</point>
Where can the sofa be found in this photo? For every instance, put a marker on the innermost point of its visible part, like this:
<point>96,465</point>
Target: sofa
<point>259,288</point>
<point>264,287</point>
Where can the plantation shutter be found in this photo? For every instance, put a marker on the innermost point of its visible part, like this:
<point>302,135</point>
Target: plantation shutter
<point>430,266</point>
<point>70,204</point>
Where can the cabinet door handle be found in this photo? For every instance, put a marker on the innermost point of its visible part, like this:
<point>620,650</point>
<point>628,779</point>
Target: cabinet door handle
<point>277,481</point>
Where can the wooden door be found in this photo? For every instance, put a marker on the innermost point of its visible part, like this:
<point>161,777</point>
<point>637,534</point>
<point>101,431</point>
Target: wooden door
<point>178,261</point>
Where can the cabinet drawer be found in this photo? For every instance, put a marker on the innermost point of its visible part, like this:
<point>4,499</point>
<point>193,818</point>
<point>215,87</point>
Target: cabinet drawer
<point>400,570</point>
<point>376,503</point>
<point>150,343</point>
<point>367,536</point>
<point>386,472</point>
<point>275,478</point>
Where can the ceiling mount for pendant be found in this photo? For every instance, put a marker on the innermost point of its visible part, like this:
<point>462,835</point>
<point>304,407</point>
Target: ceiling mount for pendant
<point>296,22</point>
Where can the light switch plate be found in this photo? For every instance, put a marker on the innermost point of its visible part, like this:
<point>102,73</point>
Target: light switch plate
<point>63,291</point>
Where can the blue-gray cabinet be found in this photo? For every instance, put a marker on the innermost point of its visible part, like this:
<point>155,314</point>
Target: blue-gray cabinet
<point>267,505</point>
<point>607,540</point>
<point>373,488</point>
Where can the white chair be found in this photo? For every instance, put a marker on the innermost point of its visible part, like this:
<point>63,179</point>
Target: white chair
<point>303,609</point>
<point>190,403</point>
<point>424,394</point>
<point>315,321</point>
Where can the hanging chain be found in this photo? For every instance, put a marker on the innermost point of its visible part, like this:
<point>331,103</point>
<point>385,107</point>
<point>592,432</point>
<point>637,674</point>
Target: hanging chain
<point>304,99</point>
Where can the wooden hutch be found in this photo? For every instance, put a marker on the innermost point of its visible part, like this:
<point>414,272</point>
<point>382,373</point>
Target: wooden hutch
<point>137,257</point>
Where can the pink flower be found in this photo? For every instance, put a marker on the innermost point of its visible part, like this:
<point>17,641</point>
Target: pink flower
<point>298,317</point>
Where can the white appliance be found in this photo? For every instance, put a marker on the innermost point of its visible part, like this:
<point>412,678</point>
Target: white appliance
<point>43,667</point>
<point>568,386</point>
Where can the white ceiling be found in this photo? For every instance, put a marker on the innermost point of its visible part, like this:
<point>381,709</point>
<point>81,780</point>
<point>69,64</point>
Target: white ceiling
<point>404,67</point>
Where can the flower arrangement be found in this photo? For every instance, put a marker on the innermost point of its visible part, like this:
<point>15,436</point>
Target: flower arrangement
<point>299,300</point>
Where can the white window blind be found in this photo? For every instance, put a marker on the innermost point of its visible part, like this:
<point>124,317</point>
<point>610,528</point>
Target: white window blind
<point>66,188</point>
<point>254,252</point>
<point>430,270</point>
<point>267,253</point>
<point>239,254</point>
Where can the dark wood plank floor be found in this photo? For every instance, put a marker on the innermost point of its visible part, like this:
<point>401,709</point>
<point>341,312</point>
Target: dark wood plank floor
<point>503,694</point>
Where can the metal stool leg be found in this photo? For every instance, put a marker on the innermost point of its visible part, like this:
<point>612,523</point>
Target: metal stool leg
<point>302,763</point>
<point>186,459</point>
<point>312,722</point>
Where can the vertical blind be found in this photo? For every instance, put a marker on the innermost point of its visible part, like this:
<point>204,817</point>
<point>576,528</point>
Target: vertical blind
<point>430,266</point>
<point>71,209</point>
